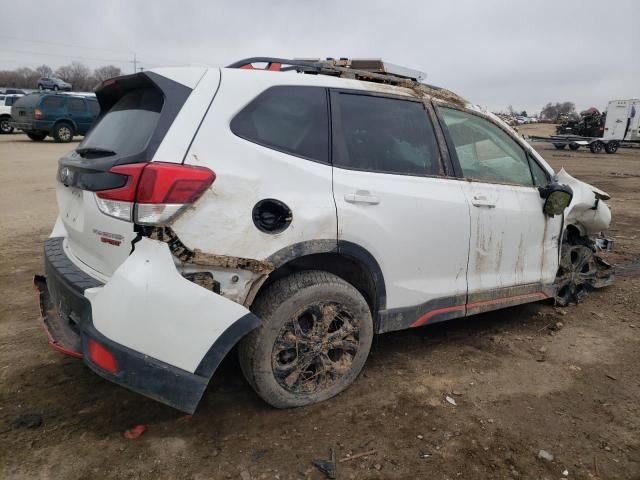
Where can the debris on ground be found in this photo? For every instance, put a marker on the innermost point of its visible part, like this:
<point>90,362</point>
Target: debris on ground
<point>556,326</point>
<point>565,473</point>
<point>134,432</point>
<point>245,475</point>
<point>29,420</point>
<point>357,455</point>
<point>545,455</point>
<point>611,376</point>
<point>450,400</point>
<point>328,467</point>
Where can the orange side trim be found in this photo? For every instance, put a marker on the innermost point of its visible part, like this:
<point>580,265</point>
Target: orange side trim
<point>427,316</point>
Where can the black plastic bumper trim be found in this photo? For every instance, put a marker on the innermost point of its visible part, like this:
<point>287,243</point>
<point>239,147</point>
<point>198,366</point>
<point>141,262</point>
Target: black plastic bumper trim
<point>141,373</point>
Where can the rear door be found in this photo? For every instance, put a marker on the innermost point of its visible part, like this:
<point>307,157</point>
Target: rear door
<point>393,199</point>
<point>513,245</point>
<point>617,122</point>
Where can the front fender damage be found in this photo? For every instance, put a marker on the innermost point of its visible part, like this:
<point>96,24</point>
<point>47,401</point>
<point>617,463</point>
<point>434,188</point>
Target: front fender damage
<point>581,269</point>
<point>588,211</point>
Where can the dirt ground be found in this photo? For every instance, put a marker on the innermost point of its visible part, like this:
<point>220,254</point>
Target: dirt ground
<point>519,385</point>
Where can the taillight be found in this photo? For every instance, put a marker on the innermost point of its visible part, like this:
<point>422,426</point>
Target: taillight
<point>38,114</point>
<point>155,192</point>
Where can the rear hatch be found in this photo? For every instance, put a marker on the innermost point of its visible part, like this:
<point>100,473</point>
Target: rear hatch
<point>136,112</point>
<point>23,109</point>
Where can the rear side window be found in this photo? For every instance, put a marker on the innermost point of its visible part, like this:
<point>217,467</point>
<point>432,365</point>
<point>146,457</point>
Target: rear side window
<point>485,151</point>
<point>75,105</point>
<point>53,102</point>
<point>383,134</point>
<point>127,127</point>
<point>290,119</point>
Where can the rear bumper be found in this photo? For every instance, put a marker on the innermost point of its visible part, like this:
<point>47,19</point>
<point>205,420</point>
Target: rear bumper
<point>68,320</point>
<point>24,126</point>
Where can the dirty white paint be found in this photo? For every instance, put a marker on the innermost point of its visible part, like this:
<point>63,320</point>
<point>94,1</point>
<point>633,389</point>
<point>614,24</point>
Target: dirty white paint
<point>149,307</point>
<point>580,212</point>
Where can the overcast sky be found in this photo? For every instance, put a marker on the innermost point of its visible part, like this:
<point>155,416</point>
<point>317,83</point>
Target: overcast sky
<point>493,52</point>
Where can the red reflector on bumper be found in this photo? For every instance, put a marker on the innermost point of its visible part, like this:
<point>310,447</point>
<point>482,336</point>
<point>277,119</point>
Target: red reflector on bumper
<point>102,357</point>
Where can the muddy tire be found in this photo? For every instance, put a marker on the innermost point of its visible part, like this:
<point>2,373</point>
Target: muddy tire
<point>37,136</point>
<point>314,339</point>
<point>559,146</point>
<point>63,132</point>
<point>574,146</point>
<point>580,271</point>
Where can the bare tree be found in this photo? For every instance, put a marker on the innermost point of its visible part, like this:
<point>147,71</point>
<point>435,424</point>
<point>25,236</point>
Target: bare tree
<point>44,70</point>
<point>552,111</point>
<point>77,74</point>
<point>108,71</point>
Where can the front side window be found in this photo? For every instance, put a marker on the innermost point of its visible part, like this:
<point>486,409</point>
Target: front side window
<point>94,108</point>
<point>289,119</point>
<point>485,151</point>
<point>383,134</point>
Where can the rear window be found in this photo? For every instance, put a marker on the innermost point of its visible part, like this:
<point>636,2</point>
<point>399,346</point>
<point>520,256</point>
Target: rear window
<point>127,127</point>
<point>289,119</point>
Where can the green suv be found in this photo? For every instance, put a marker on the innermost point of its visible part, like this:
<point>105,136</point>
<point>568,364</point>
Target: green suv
<point>59,115</point>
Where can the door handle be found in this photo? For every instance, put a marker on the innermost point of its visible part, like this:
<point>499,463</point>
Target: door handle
<point>361,196</point>
<point>482,201</point>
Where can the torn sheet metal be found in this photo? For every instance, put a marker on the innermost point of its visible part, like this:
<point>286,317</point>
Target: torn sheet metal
<point>185,254</point>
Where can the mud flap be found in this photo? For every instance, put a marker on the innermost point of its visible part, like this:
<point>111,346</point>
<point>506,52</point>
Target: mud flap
<point>148,307</point>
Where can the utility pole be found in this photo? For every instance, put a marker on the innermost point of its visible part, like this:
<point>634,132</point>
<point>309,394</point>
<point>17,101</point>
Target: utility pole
<point>135,63</point>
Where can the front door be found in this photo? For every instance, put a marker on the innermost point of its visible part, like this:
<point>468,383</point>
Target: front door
<point>513,246</point>
<point>393,200</point>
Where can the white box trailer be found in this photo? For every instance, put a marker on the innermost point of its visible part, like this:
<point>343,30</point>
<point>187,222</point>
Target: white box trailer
<point>623,120</point>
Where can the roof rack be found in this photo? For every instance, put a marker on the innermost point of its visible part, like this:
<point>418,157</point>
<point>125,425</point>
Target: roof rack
<point>373,70</point>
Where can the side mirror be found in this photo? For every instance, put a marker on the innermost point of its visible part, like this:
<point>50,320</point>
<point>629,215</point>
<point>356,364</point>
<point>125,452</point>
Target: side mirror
<point>557,198</point>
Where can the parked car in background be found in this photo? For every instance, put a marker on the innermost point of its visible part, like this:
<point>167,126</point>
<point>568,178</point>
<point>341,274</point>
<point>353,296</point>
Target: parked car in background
<point>296,215</point>
<point>60,115</point>
<point>13,91</point>
<point>6,101</point>
<point>53,83</point>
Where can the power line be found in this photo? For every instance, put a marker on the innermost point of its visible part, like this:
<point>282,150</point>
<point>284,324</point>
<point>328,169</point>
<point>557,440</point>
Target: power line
<point>159,60</point>
<point>54,44</point>
<point>45,54</point>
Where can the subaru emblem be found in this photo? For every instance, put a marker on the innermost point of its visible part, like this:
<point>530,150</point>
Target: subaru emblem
<point>65,175</point>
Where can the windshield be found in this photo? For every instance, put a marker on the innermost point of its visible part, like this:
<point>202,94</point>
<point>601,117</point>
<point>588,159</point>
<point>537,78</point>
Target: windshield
<point>128,126</point>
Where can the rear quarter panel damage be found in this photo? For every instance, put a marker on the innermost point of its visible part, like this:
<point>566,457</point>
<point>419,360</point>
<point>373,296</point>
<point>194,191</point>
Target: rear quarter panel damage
<point>148,306</point>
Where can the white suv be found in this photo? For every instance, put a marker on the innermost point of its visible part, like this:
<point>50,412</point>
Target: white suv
<point>295,211</point>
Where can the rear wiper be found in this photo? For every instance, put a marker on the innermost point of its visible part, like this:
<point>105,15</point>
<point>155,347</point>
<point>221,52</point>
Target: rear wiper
<point>82,151</point>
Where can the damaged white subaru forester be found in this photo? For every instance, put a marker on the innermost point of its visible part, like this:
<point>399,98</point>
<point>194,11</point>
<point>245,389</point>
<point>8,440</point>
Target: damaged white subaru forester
<point>295,209</point>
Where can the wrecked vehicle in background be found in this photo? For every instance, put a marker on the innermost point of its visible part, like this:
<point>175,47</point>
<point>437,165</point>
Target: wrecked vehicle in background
<point>297,214</point>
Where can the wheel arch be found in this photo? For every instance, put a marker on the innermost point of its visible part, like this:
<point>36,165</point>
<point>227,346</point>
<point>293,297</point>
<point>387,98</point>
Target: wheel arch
<point>349,261</point>
<point>68,121</point>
